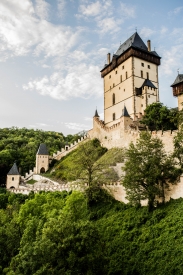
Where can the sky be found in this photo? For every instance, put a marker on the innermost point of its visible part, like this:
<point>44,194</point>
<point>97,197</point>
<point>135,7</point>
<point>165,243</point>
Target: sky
<point>52,51</point>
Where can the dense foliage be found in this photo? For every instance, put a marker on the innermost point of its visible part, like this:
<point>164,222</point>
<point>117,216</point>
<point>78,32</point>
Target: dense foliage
<point>159,117</point>
<point>22,144</point>
<point>61,233</point>
<point>148,170</point>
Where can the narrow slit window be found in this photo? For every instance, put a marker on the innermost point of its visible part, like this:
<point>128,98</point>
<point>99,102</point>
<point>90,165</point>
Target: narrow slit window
<point>113,116</point>
<point>141,73</point>
<point>113,99</point>
<point>126,75</point>
<point>147,75</point>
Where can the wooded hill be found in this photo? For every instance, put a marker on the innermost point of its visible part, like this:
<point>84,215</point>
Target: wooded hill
<point>21,145</point>
<point>60,233</point>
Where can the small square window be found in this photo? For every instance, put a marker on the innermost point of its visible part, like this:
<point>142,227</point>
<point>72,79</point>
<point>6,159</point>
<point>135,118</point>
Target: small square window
<point>142,64</point>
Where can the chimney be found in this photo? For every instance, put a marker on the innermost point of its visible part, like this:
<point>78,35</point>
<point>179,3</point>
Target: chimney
<point>149,45</point>
<point>108,58</point>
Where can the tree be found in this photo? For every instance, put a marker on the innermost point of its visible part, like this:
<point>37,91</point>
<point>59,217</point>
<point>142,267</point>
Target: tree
<point>148,170</point>
<point>159,117</point>
<point>86,165</point>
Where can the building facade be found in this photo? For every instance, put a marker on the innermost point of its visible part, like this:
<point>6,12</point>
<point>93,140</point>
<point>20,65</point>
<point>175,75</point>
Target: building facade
<point>130,79</point>
<point>177,87</point>
<point>42,159</point>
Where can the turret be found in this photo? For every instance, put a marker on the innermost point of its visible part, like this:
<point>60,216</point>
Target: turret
<point>177,88</point>
<point>42,159</point>
<point>13,177</point>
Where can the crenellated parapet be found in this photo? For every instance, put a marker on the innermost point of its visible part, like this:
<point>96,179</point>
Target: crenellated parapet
<point>68,148</point>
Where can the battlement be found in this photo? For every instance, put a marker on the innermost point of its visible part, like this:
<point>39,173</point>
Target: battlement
<point>68,149</point>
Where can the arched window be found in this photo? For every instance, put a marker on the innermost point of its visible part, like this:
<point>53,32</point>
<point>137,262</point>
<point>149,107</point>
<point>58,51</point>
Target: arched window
<point>113,99</point>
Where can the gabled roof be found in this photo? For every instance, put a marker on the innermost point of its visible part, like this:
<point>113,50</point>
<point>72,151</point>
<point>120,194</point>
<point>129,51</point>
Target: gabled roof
<point>134,41</point>
<point>96,113</point>
<point>42,150</point>
<point>148,83</point>
<point>14,170</point>
<point>178,79</point>
<point>125,112</point>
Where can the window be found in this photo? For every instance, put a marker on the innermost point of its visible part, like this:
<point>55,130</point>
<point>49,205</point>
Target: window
<point>147,75</point>
<point>110,87</point>
<point>142,64</point>
<point>110,76</point>
<point>148,66</point>
<point>141,73</point>
<point>141,105</point>
<point>120,78</point>
<point>119,88</point>
<point>43,161</point>
<point>149,96</point>
<point>123,67</point>
<point>113,85</point>
<point>12,178</point>
<point>124,90</point>
<point>113,99</point>
<point>113,116</point>
<point>126,75</point>
<point>116,72</point>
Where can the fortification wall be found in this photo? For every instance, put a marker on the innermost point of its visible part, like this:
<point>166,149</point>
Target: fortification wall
<point>68,149</point>
<point>118,136</point>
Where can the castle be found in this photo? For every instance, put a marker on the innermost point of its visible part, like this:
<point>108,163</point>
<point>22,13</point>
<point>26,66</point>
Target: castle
<point>130,85</point>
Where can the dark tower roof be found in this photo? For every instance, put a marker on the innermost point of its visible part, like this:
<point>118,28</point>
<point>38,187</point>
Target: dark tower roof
<point>96,114</point>
<point>14,170</point>
<point>42,149</point>
<point>125,112</point>
<point>178,80</point>
<point>133,41</point>
<point>148,83</point>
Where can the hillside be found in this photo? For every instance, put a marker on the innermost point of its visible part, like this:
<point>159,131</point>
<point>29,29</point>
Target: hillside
<point>61,233</point>
<point>21,145</point>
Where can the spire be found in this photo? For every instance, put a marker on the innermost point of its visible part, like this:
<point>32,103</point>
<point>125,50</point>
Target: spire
<point>42,149</point>
<point>96,113</point>
<point>125,112</point>
<point>14,170</point>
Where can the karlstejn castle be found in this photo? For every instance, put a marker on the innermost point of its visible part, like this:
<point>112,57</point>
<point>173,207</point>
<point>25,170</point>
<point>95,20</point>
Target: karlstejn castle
<point>130,84</point>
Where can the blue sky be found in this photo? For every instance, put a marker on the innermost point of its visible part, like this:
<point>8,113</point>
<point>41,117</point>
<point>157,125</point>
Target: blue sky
<point>51,54</point>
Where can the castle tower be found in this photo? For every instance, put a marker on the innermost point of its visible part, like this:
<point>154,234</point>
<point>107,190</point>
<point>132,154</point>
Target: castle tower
<point>130,78</point>
<point>177,87</point>
<point>125,119</point>
<point>13,177</point>
<point>42,159</point>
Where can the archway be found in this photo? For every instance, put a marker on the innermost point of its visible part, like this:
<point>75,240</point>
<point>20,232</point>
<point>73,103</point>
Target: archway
<point>12,187</point>
<point>42,170</point>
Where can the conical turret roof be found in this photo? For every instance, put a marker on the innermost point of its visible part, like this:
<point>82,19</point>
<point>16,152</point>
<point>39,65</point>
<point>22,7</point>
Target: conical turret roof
<point>125,112</point>
<point>178,80</point>
<point>42,150</point>
<point>96,113</point>
<point>14,170</point>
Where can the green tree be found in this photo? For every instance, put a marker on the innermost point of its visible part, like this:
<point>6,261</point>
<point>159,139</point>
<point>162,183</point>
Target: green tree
<point>159,117</point>
<point>148,170</point>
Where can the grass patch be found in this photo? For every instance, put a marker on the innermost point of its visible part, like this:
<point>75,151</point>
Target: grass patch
<point>31,181</point>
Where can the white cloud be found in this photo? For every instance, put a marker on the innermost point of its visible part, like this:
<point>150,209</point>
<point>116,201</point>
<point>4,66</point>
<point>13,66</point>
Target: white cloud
<point>110,24</point>
<point>146,32</point>
<point>175,11</point>
<point>163,30</point>
<point>42,9</point>
<point>21,31</point>
<point>76,126</point>
<point>81,81</point>
<point>172,60</point>
<point>92,9</point>
<point>127,10</point>
<point>61,8</point>
<point>88,118</point>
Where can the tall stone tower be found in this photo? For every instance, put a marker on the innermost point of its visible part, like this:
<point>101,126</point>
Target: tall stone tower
<point>42,159</point>
<point>178,90</point>
<point>130,79</point>
<point>13,177</point>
